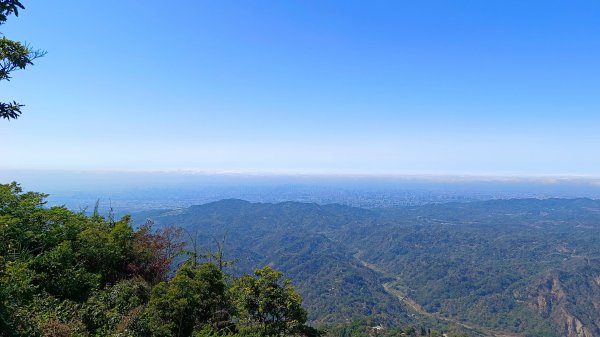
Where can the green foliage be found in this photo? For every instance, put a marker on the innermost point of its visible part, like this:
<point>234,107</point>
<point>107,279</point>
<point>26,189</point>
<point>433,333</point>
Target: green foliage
<point>8,7</point>
<point>107,249</point>
<point>296,239</point>
<point>116,306</point>
<point>368,328</point>
<point>268,305</point>
<point>13,55</point>
<point>66,274</point>
<point>495,265</point>
<point>195,297</point>
<point>60,273</point>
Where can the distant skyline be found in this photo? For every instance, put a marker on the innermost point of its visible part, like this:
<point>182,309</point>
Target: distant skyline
<point>129,191</point>
<point>468,88</point>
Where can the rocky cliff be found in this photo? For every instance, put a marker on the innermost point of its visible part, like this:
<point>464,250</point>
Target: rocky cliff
<point>564,298</point>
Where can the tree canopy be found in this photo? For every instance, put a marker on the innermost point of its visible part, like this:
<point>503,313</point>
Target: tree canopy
<point>64,273</point>
<point>13,56</point>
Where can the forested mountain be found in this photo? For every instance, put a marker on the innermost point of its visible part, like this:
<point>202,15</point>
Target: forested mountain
<point>297,238</point>
<point>65,274</point>
<point>522,267</point>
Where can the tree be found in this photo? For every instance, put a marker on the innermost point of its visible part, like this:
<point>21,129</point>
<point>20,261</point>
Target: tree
<point>67,274</point>
<point>268,306</point>
<point>193,300</point>
<point>116,308</point>
<point>155,251</point>
<point>13,56</point>
<point>218,256</point>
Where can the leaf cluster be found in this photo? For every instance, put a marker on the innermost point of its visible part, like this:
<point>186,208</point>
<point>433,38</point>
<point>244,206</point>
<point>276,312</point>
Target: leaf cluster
<point>68,274</point>
<point>13,56</point>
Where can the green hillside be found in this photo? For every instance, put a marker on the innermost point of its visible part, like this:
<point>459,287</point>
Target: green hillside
<point>66,274</point>
<point>525,267</point>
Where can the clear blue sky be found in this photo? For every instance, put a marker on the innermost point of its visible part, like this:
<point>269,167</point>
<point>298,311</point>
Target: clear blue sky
<point>449,87</point>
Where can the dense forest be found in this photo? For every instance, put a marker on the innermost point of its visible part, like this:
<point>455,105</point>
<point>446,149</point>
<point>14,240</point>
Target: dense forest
<point>497,268</point>
<point>67,274</point>
<point>522,267</point>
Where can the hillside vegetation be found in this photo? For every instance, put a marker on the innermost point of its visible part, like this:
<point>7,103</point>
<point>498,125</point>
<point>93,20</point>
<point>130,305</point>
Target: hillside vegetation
<point>497,268</point>
<point>506,267</point>
<point>68,274</point>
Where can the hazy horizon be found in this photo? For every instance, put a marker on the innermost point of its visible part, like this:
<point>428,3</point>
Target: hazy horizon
<point>443,88</point>
<point>300,168</point>
<point>7,174</point>
<point>128,191</point>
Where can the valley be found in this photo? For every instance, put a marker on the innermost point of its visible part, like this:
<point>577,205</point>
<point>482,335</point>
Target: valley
<point>393,288</point>
<point>479,267</point>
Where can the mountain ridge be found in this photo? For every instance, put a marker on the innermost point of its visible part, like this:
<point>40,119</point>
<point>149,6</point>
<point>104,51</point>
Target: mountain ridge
<point>475,262</point>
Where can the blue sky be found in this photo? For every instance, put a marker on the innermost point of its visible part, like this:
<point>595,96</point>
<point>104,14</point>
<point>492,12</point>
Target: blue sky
<point>406,87</point>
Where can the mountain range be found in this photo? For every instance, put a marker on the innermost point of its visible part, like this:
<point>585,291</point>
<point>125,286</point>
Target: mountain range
<point>517,267</point>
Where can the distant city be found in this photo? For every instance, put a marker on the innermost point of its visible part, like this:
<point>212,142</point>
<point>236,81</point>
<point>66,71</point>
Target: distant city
<point>132,192</point>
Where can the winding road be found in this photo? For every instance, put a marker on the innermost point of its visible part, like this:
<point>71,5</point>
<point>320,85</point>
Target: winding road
<point>416,307</point>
